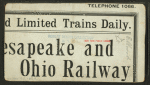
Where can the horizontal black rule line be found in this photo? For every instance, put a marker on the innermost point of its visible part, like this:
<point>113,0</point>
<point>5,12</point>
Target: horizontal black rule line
<point>77,32</point>
<point>61,31</point>
<point>72,32</point>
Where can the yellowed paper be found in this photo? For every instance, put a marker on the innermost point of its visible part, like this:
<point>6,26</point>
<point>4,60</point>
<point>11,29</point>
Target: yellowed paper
<point>93,42</point>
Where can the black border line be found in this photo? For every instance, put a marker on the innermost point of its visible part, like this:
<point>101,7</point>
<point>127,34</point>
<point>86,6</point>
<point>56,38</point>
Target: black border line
<point>63,31</point>
<point>83,13</point>
<point>135,48</point>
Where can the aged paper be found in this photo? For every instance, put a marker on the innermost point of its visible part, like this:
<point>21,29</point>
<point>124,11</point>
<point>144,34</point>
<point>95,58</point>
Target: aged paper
<point>93,42</point>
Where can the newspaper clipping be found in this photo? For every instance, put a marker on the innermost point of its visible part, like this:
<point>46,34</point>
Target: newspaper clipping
<point>89,42</point>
